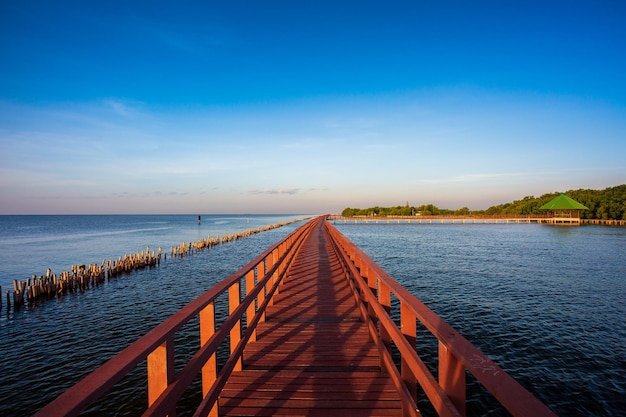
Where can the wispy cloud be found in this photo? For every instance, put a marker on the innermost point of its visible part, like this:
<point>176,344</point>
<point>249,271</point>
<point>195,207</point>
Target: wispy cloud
<point>465,178</point>
<point>121,108</point>
<point>288,191</point>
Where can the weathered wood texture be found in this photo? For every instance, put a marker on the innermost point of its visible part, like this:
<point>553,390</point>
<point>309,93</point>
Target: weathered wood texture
<point>313,355</point>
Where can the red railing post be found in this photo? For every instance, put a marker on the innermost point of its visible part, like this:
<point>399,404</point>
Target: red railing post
<point>161,372</point>
<point>384,296</point>
<point>452,377</point>
<point>371,277</point>
<point>384,299</point>
<point>251,310</point>
<point>277,253</point>
<point>234,298</point>
<point>209,370</point>
<point>409,330</point>
<point>269,263</point>
<point>260,274</point>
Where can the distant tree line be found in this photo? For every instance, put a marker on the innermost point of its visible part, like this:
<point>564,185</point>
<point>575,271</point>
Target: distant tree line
<point>608,204</point>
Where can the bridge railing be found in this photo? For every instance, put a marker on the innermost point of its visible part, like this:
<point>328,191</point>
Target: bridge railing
<point>338,217</point>
<point>261,278</point>
<point>373,288</point>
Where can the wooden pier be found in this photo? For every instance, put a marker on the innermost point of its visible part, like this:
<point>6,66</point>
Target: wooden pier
<point>313,353</point>
<point>449,219</point>
<point>486,219</point>
<point>312,334</point>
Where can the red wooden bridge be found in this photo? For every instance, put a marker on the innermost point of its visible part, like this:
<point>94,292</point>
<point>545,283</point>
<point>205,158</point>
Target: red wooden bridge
<point>311,335</point>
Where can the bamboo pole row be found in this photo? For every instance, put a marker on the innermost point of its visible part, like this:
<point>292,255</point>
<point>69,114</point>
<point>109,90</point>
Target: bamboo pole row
<point>186,248</point>
<point>82,277</point>
<point>79,278</point>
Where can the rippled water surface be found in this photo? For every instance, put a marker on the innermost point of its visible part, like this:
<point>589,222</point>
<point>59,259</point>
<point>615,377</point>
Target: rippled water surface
<point>548,304</point>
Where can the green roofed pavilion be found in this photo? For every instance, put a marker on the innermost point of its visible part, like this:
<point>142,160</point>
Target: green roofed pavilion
<point>563,202</point>
<point>565,209</point>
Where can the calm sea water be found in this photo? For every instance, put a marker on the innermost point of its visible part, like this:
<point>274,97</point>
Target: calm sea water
<point>548,304</point>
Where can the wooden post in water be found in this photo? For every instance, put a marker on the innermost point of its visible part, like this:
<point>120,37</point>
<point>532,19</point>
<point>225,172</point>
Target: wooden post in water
<point>18,293</point>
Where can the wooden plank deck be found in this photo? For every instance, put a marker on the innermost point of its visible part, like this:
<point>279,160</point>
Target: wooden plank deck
<point>313,355</point>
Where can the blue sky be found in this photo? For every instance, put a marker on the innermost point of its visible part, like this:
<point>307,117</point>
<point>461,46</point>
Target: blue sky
<point>306,107</point>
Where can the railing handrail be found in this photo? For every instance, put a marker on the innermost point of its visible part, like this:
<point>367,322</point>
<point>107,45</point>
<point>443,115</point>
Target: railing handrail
<point>80,396</point>
<point>448,397</point>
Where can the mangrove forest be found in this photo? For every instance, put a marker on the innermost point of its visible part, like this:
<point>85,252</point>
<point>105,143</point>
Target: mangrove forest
<point>607,204</point>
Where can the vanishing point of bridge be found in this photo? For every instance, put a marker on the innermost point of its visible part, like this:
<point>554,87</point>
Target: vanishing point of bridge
<point>310,333</point>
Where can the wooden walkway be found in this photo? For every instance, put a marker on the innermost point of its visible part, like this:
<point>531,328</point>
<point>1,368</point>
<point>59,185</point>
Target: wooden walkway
<point>317,332</point>
<point>313,355</point>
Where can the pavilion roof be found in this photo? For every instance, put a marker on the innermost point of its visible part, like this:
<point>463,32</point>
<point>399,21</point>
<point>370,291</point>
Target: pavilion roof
<point>563,202</point>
